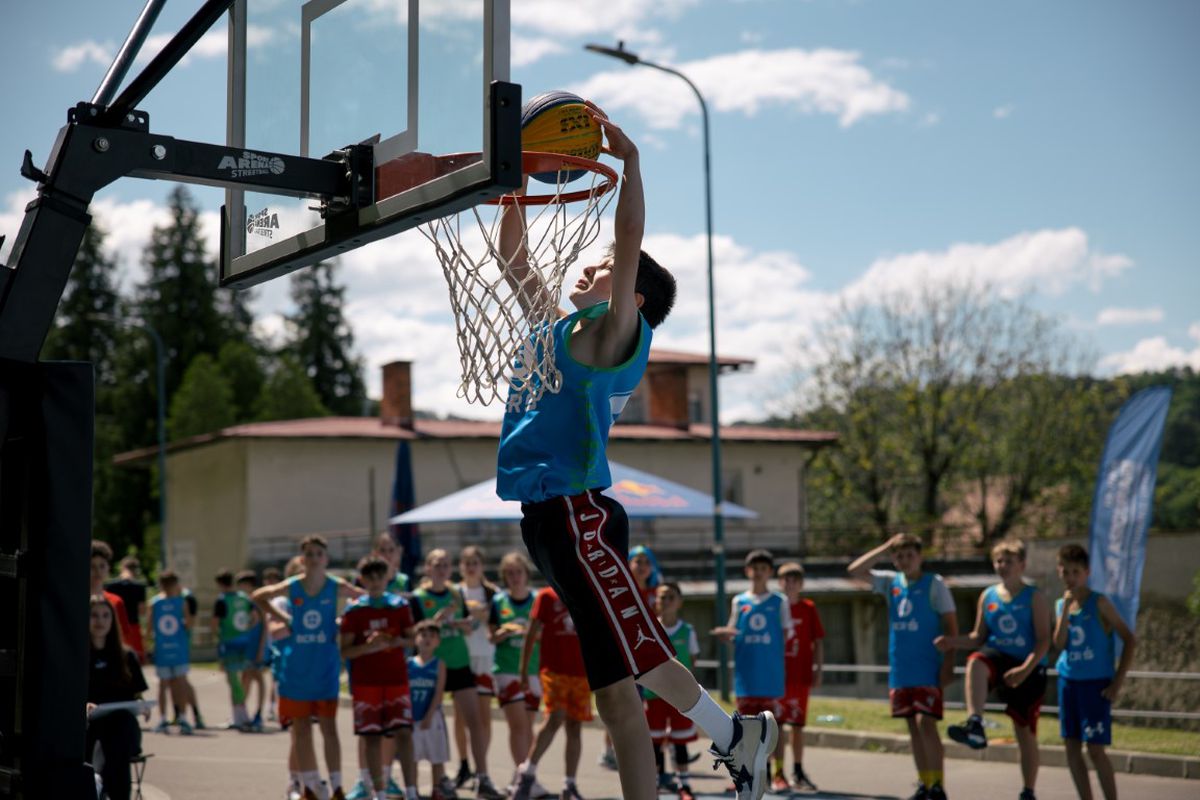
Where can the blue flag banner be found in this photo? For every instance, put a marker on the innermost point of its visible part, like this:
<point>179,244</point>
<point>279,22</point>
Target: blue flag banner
<point>1124,501</point>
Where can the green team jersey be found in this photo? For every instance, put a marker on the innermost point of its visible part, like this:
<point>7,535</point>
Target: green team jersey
<point>236,621</point>
<point>508,652</point>
<point>682,639</point>
<point>453,649</point>
<point>398,584</point>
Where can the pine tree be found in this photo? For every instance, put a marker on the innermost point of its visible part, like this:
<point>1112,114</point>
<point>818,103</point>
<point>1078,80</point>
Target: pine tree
<point>289,394</point>
<point>321,340</point>
<point>204,402</point>
<point>240,366</point>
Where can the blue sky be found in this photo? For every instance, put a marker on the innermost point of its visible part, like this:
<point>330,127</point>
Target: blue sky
<point>1046,147</point>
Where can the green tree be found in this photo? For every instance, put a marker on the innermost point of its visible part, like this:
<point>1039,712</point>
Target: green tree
<point>321,341</point>
<point>204,402</point>
<point>242,369</point>
<point>289,394</point>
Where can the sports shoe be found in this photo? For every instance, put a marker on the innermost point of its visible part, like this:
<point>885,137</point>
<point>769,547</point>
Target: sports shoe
<point>394,792</point>
<point>464,775</point>
<point>921,794</point>
<point>607,759</point>
<point>780,785</point>
<point>486,791</point>
<point>256,724</point>
<point>666,784</point>
<point>801,783</point>
<point>685,792</point>
<point>447,788</point>
<point>537,791</point>
<point>1027,794</point>
<point>309,794</point>
<point>184,728</point>
<point>970,733</point>
<point>570,793</point>
<point>338,794</point>
<point>199,721</point>
<point>523,788</point>
<point>294,792</point>
<point>936,792</point>
<point>749,756</point>
<point>360,792</point>
<point>162,727</point>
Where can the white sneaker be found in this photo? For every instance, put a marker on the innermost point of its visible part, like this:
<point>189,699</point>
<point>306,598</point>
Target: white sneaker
<point>749,756</point>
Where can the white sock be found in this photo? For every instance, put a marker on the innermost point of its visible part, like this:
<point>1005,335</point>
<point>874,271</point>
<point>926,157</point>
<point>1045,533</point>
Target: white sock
<point>568,782</point>
<point>713,720</point>
<point>364,775</point>
<point>311,779</point>
<point>411,793</point>
<point>294,777</point>
<point>528,768</point>
<point>335,781</point>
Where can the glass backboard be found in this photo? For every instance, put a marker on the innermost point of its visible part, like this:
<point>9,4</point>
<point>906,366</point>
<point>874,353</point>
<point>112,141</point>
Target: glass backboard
<point>408,76</point>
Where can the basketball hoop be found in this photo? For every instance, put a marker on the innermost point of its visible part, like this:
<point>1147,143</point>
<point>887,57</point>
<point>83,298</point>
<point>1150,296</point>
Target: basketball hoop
<point>506,349</point>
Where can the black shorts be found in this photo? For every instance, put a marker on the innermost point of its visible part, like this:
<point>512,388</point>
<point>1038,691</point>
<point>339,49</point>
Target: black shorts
<point>459,678</point>
<point>581,544</point>
<point>1023,703</point>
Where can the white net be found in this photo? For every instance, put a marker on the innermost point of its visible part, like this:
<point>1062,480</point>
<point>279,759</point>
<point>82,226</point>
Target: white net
<point>505,325</point>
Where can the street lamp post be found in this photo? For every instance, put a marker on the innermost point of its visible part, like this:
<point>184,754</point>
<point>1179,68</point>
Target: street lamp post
<point>619,52</point>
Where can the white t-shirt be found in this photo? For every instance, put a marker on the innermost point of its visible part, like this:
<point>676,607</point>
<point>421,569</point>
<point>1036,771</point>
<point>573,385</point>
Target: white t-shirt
<point>477,640</point>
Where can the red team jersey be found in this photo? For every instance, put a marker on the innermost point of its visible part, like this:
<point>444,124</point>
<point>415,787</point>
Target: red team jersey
<point>392,614</point>
<point>560,651</point>
<point>798,651</point>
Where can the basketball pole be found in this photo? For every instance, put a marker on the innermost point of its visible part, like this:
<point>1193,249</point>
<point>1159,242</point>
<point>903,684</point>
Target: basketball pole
<point>718,549</point>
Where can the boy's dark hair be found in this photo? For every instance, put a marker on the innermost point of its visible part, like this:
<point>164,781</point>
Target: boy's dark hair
<point>131,564</point>
<point>674,587</point>
<point>908,540</point>
<point>316,539</point>
<point>760,556</point>
<point>427,625</point>
<point>167,578</point>
<point>1074,554</point>
<point>101,550</point>
<point>656,286</point>
<point>246,576</point>
<point>792,568</point>
<point>272,575</point>
<point>372,565</point>
<point>224,577</point>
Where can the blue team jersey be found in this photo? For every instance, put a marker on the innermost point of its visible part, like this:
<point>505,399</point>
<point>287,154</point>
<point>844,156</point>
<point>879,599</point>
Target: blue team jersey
<point>1009,622</point>
<point>758,649</point>
<point>1089,653</point>
<point>422,681</point>
<point>313,662</point>
<point>914,624</point>
<point>559,449</point>
<point>172,640</point>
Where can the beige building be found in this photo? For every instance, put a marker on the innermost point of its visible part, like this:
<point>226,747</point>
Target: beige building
<point>243,496</point>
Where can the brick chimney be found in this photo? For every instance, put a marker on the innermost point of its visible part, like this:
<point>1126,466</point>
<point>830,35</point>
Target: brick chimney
<point>667,389</point>
<point>396,406</point>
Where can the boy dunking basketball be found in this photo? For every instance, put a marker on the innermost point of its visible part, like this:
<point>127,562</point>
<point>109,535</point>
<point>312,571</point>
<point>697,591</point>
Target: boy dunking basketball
<point>553,460</point>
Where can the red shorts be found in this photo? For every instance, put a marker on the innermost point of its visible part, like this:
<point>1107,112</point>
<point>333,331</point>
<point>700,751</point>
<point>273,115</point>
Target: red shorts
<point>750,706</point>
<point>667,723</point>
<point>381,709</point>
<point>312,709</point>
<point>793,710</point>
<point>913,700</point>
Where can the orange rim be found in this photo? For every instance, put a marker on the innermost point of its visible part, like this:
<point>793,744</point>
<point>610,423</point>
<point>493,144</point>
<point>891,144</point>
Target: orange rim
<point>533,161</point>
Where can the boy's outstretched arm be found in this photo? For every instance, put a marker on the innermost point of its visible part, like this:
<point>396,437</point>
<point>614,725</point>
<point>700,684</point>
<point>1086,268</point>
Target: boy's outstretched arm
<point>514,257</point>
<point>1112,618</point>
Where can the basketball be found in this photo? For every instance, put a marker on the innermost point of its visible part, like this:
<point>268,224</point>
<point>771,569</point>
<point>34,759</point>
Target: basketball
<point>558,122</point>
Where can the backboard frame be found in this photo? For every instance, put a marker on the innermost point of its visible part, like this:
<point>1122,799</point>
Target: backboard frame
<point>498,171</point>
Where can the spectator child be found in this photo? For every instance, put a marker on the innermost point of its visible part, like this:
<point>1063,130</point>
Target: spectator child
<point>665,721</point>
<point>171,619</point>
<point>114,676</point>
<point>130,587</point>
<point>920,609</point>
<point>254,646</point>
<point>375,629</point>
<point>1087,685</point>
<point>477,592</point>
<point>1010,640</point>
<point>427,682</point>
<point>508,622</point>
<point>803,661</point>
<point>102,557</point>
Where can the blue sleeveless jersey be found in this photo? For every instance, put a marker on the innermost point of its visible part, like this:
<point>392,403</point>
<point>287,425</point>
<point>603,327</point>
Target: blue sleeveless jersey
<point>914,625</point>
<point>1089,653</point>
<point>1009,623</point>
<point>560,448</point>
<point>312,658</point>
<point>422,681</point>
<point>172,641</point>
<point>758,649</point>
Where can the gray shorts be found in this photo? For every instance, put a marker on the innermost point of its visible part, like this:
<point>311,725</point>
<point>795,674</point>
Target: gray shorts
<point>166,673</point>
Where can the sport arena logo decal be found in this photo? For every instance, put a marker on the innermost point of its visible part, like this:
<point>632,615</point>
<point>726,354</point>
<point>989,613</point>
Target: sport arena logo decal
<point>251,164</point>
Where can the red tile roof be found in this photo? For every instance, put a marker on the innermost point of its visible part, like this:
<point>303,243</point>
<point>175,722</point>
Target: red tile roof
<point>660,356</point>
<point>372,428</point>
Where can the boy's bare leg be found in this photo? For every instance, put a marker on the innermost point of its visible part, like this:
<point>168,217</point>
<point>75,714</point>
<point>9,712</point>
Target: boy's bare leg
<point>374,754</point>
<point>620,708</point>
<point>333,747</point>
<point>467,706</point>
<point>672,682</point>
<point>178,697</point>
<point>935,753</point>
<point>1027,745</point>
<point>1104,770</point>
<point>162,700</point>
<point>1078,767</point>
<point>574,747</point>
<point>520,735</point>
<point>485,720</point>
<point>387,751</point>
<point>545,735</point>
<point>918,745</point>
<point>302,744</point>
<point>797,745</point>
<point>460,736</point>
<point>403,747</point>
<point>977,687</point>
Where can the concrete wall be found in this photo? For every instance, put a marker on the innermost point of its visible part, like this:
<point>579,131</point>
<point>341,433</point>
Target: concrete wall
<point>1172,561</point>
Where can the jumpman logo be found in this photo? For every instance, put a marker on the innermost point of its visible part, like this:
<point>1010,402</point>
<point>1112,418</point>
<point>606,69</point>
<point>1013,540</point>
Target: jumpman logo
<point>641,638</point>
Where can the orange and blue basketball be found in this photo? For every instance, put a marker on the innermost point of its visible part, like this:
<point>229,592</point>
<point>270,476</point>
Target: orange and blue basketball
<point>558,122</point>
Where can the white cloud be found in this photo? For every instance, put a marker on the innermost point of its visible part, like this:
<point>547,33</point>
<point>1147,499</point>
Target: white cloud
<point>74,56</point>
<point>1003,112</point>
<point>528,49</point>
<point>808,81</point>
<point>1046,261</point>
<point>1155,353</point>
<point>1129,316</point>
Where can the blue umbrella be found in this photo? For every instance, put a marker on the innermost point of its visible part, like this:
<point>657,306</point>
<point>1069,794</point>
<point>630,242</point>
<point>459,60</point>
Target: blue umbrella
<point>643,495</point>
<point>406,534</point>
